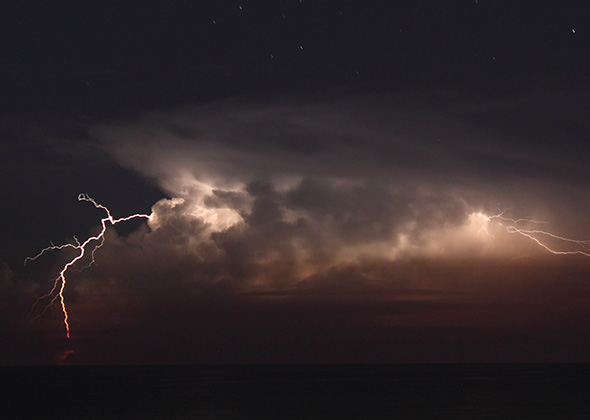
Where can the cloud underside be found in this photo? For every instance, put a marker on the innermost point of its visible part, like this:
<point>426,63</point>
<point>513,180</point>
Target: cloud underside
<point>371,311</point>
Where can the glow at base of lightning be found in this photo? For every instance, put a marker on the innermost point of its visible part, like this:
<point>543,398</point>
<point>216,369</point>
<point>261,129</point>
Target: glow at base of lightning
<point>537,236</point>
<point>92,244</point>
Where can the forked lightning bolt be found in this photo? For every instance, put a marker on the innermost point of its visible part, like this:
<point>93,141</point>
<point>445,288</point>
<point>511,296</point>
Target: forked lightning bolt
<point>537,235</point>
<point>91,244</point>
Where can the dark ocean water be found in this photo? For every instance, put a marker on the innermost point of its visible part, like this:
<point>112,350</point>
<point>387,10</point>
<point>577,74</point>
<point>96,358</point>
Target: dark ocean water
<point>418,392</point>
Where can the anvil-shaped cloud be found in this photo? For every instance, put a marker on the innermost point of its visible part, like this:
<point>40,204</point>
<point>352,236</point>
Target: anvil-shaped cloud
<point>301,229</point>
<point>296,186</point>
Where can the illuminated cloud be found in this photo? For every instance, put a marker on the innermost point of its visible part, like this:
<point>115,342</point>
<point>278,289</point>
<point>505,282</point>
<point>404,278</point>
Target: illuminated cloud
<point>297,186</point>
<point>382,204</point>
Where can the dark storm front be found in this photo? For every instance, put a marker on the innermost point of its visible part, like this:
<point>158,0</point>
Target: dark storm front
<point>297,392</point>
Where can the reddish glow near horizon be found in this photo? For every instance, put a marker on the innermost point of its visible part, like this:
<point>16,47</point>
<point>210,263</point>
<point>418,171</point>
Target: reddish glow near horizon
<point>57,291</point>
<point>537,235</point>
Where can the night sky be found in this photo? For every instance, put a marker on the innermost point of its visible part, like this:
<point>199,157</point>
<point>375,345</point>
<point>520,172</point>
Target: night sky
<point>322,179</point>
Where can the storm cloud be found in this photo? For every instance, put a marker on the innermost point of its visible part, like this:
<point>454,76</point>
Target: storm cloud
<point>317,182</point>
<point>350,215</point>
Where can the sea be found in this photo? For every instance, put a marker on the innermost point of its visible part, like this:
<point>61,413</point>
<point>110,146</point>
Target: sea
<point>413,391</point>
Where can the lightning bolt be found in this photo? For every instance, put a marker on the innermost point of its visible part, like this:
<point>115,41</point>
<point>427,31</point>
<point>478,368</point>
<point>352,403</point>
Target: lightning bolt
<point>537,236</point>
<point>89,246</point>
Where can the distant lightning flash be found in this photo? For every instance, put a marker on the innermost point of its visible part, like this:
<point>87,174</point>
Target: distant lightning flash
<point>537,235</point>
<point>57,291</point>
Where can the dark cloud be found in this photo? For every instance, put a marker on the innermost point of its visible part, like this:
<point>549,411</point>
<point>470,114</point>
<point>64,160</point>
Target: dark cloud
<point>280,189</point>
<point>390,138</point>
<point>339,212</point>
<point>324,230</point>
<point>389,158</point>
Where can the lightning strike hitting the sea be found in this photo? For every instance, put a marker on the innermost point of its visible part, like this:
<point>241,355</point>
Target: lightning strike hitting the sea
<point>57,291</point>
